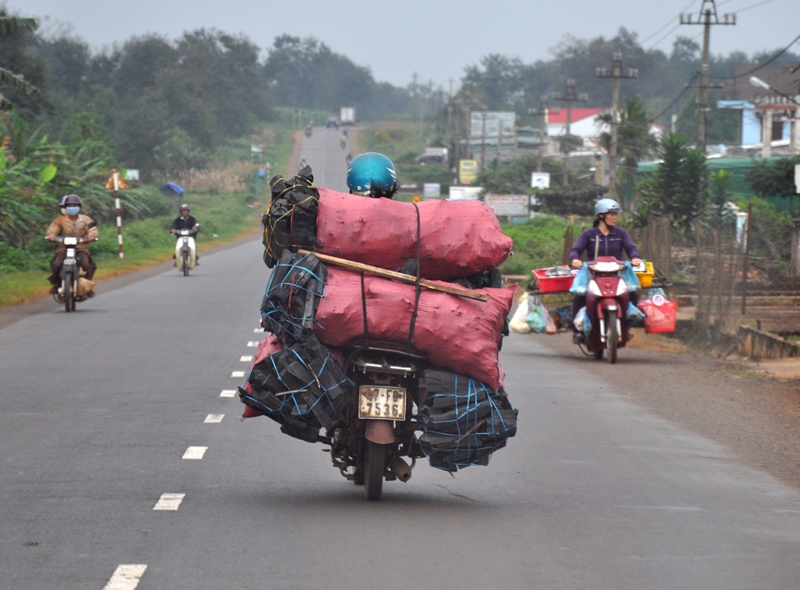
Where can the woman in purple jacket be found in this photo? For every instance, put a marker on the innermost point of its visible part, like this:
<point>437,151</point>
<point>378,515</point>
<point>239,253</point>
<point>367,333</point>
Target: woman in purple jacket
<point>604,239</point>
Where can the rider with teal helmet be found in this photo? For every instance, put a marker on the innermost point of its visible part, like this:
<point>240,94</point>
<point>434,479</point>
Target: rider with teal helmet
<point>372,175</point>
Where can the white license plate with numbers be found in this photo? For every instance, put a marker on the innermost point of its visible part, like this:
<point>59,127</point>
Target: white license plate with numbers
<point>381,403</point>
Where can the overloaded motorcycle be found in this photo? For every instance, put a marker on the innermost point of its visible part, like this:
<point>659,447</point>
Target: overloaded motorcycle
<point>186,250</point>
<point>607,300</point>
<point>375,433</point>
<point>74,288</point>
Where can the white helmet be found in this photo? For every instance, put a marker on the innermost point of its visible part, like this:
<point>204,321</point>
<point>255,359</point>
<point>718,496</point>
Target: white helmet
<point>606,206</point>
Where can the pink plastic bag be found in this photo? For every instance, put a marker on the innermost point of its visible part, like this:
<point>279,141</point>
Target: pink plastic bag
<point>457,238</point>
<point>455,333</point>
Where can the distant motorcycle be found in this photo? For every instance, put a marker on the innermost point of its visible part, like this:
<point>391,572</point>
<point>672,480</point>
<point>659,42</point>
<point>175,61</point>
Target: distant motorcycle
<point>72,290</point>
<point>186,249</point>
<point>348,158</point>
<point>309,129</point>
<point>607,300</point>
<point>343,141</point>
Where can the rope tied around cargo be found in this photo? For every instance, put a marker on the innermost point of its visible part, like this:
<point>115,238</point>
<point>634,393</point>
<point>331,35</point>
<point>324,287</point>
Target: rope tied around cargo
<point>418,287</point>
<point>364,309</point>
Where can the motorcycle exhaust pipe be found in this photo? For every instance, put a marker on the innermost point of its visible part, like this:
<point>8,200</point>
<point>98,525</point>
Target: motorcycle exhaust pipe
<point>401,469</point>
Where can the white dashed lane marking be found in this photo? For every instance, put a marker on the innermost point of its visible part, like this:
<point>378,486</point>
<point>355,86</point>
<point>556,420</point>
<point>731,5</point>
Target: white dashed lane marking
<point>253,344</point>
<point>238,374</point>
<point>195,453</point>
<point>245,359</point>
<point>126,577</point>
<point>228,393</point>
<point>169,501</point>
<point>213,419</point>
<point>259,330</point>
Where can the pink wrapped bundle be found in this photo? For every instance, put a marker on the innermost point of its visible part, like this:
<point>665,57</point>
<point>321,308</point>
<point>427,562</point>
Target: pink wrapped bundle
<point>455,333</point>
<point>457,238</point>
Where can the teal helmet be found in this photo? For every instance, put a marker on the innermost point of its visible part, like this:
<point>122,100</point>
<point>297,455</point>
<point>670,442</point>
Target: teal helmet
<point>373,175</point>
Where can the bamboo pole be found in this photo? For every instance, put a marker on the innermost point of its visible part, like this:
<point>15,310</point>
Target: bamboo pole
<point>397,276</point>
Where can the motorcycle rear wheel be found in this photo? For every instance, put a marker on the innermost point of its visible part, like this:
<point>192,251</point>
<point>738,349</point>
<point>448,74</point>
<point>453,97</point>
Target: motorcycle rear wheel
<point>612,339</point>
<point>69,300</point>
<point>375,467</point>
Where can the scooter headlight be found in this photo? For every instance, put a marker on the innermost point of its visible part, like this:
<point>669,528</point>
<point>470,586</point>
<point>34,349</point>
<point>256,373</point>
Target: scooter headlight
<point>594,289</point>
<point>621,287</point>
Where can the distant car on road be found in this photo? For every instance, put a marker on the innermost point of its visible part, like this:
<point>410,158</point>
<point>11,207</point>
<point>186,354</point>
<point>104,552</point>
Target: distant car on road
<point>332,122</point>
<point>433,156</point>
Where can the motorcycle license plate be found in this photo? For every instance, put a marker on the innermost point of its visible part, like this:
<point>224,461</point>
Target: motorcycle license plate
<point>381,403</point>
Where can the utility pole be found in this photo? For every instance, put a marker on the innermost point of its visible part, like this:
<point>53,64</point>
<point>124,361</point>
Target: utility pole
<point>483,142</point>
<point>616,74</point>
<point>543,132</point>
<point>569,96</point>
<point>707,17</point>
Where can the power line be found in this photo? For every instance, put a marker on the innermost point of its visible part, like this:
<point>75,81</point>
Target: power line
<point>753,6</point>
<point>677,98</point>
<point>646,39</point>
<point>758,67</point>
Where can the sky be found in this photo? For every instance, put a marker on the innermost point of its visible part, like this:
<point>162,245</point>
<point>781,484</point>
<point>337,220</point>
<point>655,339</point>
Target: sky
<point>435,39</point>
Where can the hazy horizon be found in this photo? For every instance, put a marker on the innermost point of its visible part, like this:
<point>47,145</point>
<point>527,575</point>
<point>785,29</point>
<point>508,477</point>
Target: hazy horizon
<point>437,40</point>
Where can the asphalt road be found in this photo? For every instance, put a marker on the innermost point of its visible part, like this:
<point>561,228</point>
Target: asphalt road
<point>323,152</point>
<point>99,407</point>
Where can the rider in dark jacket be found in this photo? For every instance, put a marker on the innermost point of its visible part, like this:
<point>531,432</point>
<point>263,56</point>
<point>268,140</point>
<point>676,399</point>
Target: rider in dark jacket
<point>185,221</point>
<point>604,239</point>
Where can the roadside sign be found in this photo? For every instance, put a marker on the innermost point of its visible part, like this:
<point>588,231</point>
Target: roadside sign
<point>467,171</point>
<point>508,205</point>
<point>256,148</point>
<point>540,180</point>
<point>115,182</point>
<point>132,174</point>
<point>465,193</point>
<point>431,190</point>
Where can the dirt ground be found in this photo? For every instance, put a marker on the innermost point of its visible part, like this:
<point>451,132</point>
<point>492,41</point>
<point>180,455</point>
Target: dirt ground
<point>751,408</point>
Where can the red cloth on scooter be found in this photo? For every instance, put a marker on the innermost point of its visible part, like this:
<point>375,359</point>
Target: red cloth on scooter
<point>455,333</point>
<point>457,238</point>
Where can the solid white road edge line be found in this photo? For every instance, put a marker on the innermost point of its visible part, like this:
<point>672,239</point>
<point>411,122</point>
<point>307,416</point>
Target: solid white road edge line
<point>126,577</point>
<point>213,419</point>
<point>169,501</point>
<point>195,453</point>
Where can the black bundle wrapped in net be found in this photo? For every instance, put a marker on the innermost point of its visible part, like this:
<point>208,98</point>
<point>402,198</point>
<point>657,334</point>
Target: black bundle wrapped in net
<point>291,220</point>
<point>292,296</point>
<point>464,421</point>
<point>303,388</point>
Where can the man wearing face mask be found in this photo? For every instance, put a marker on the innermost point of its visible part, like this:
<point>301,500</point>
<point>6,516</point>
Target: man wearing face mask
<point>72,223</point>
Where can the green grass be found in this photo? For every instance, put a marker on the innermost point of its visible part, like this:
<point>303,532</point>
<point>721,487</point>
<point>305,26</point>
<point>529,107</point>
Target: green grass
<point>223,216</point>
<point>538,243</point>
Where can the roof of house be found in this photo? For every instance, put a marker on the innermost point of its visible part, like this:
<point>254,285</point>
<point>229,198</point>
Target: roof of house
<point>780,78</point>
<point>558,115</point>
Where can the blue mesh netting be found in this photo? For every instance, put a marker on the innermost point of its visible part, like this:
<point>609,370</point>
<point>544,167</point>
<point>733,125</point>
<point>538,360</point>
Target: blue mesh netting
<point>464,421</point>
<point>292,296</point>
<point>303,388</point>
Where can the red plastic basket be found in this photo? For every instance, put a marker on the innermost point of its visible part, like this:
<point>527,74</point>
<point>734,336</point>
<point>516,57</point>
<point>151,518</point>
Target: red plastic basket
<point>551,284</point>
<point>659,319</point>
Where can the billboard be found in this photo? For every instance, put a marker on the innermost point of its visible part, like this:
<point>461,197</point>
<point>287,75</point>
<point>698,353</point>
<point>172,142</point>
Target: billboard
<point>495,121</point>
<point>465,193</point>
<point>508,205</point>
<point>467,171</point>
<point>540,180</point>
<point>431,190</point>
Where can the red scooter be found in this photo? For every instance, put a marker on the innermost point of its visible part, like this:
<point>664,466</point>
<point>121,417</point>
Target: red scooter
<point>607,300</point>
